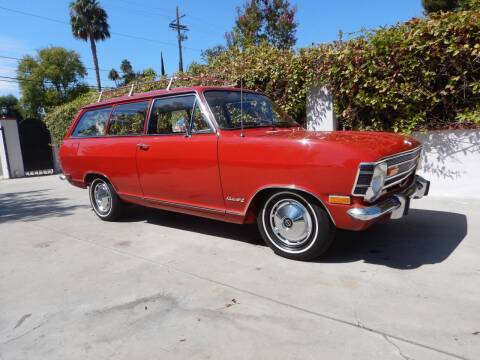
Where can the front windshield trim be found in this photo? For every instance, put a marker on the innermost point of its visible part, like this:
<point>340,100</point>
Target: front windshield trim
<point>286,120</point>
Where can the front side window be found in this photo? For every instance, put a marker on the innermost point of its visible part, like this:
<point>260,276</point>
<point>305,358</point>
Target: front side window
<point>92,123</point>
<point>128,119</point>
<point>256,110</point>
<point>173,115</point>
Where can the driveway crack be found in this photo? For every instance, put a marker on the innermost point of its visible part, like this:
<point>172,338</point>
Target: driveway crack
<point>405,357</point>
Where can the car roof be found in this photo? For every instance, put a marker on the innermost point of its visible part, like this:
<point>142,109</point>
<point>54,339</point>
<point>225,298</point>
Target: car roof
<point>162,92</point>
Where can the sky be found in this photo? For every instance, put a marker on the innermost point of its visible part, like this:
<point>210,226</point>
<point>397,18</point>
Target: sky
<point>140,29</point>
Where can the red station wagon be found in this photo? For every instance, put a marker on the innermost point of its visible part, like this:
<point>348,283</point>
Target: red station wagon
<point>232,155</point>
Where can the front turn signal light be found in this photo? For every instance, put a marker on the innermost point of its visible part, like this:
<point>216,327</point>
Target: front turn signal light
<point>338,199</point>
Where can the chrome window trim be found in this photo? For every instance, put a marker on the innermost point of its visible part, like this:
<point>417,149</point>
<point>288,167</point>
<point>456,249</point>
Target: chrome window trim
<point>197,100</point>
<point>217,126</point>
<point>114,107</point>
<point>83,114</point>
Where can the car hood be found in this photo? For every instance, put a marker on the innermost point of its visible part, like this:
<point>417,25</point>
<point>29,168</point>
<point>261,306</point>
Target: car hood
<point>370,145</point>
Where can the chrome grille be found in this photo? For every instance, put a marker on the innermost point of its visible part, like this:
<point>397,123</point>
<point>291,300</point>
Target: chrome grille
<point>406,162</point>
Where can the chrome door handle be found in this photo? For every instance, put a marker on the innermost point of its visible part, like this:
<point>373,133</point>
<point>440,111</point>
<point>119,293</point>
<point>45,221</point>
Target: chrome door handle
<point>143,146</point>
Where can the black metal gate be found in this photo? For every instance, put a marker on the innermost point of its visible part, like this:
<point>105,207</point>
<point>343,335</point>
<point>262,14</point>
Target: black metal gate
<point>36,149</point>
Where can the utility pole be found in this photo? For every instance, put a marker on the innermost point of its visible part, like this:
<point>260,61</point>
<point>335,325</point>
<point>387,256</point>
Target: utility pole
<point>181,29</point>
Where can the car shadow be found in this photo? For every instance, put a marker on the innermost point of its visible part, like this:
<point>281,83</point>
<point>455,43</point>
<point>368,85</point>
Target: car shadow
<point>33,205</point>
<point>423,237</point>
<point>246,233</point>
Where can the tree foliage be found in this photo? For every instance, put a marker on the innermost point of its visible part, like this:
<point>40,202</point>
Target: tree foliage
<point>433,6</point>
<point>11,104</point>
<point>128,74</point>
<point>258,21</point>
<point>210,54</point>
<point>49,79</point>
<point>114,75</point>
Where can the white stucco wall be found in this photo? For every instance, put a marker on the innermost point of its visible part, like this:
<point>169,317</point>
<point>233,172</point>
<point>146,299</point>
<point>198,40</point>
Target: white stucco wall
<point>4,173</point>
<point>12,140</point>
<point>320,114</point>
<point>451,162</point>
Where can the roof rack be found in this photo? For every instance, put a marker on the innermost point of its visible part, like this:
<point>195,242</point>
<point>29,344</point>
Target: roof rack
<point>201,80</point>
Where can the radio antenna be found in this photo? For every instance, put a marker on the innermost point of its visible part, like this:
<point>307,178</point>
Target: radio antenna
<point>241,107</point>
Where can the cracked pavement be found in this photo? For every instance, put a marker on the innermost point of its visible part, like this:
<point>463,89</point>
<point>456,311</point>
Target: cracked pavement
<point>170,286</point>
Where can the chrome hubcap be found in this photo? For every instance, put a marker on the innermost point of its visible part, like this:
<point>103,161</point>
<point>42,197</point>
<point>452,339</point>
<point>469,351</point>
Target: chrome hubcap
<point>102,198</point>
<point>291,222</point>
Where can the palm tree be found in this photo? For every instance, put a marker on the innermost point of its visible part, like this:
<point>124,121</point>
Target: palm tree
<point>127,70</point>
<point>89,23</point>
<point>114,76</point>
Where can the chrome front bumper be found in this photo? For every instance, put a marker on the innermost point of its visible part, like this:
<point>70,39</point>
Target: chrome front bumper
<point>397,206</point>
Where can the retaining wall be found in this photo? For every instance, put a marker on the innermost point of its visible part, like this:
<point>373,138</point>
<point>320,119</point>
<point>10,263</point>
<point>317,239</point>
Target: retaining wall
<point>451,161</point>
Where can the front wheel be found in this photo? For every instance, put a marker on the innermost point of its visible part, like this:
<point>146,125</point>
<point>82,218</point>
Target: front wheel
<point>104,200</point>
<point>295,227</point>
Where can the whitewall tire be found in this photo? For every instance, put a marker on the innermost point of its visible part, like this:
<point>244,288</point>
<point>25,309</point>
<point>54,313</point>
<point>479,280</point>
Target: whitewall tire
<point>104,200</point>
<point>294,226</point>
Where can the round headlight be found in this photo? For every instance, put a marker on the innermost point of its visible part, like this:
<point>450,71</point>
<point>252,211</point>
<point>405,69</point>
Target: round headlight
<point>378,180</point>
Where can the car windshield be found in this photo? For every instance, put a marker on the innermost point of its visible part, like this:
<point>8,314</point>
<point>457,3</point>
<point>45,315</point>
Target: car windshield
<point>229,107</point>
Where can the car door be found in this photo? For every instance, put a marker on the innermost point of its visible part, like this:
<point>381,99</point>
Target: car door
<point>116,153</point>
<point>177,160</point>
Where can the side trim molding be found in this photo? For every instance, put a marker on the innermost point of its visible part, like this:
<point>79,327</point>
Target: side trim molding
<point>175,204</point>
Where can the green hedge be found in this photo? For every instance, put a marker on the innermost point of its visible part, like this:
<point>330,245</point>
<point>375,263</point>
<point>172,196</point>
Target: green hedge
<point>422,74</point>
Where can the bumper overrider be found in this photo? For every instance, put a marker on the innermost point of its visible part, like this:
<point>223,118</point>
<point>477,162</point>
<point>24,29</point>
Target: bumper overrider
<point>397,206</point>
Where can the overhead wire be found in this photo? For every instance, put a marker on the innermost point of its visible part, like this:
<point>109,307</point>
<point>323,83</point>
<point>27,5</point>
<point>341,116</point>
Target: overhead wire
<point>18,80</point>
<point>89,68</point>
<point>135,37</point>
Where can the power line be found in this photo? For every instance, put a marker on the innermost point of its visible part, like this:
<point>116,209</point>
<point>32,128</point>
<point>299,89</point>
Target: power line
<point>18,80</point>
<point>163,12</point>
<point>20,59</point>
<point>135,37</point>
<point>139,11</point>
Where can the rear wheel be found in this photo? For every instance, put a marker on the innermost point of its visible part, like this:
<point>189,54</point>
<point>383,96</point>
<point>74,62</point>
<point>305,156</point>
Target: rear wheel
<point>104,200</point>
<point>295,227</point>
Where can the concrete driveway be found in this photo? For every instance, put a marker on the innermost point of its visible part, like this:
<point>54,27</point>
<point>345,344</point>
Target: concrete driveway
<point>164,286</point>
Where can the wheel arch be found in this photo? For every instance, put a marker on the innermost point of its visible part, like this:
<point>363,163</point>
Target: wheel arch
<point>92,175</point>
<point>263,194</point>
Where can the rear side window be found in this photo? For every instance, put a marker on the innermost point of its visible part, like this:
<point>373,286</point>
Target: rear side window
<point>128,119</point>
<point>173,116</point>
<point>92,123</point>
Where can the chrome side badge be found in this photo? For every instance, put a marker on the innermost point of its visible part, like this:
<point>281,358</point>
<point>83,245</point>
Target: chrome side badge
<point>235,199</point>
